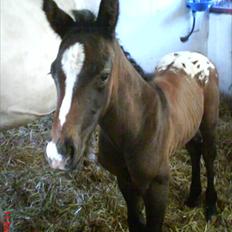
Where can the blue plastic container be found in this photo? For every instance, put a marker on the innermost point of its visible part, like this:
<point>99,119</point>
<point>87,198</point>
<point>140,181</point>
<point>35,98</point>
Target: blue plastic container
<point>199,5</point>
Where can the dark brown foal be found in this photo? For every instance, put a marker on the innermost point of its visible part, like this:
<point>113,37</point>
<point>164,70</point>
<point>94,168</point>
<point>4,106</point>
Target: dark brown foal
<point>142,123</point>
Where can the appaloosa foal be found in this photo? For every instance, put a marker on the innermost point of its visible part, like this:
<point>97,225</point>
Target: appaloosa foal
<point>142,123</point>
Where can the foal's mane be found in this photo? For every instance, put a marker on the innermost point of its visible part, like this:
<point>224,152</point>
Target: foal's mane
<point>146,76</point>
<point>86,19</point>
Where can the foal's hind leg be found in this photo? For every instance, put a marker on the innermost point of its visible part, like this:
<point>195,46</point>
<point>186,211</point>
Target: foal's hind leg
<point>208,128</point>
<point>209,155</point>
<point>134,205</point>
<point>194,148</point>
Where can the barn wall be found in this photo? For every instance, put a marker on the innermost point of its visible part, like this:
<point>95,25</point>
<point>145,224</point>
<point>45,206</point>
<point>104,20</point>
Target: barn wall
<point>159,27</point>
<point>152,29</point>
<point>220,47</point>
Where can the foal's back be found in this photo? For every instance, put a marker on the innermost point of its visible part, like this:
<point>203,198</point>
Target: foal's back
<point>189,81</point>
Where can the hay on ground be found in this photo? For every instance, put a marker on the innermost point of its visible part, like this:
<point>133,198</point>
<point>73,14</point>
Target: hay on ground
<point>88,200</point>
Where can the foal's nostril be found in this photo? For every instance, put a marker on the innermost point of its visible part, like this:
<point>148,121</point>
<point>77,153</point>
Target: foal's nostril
<point>70,150</point>
<point>61,148</point>
<point>66,149</point>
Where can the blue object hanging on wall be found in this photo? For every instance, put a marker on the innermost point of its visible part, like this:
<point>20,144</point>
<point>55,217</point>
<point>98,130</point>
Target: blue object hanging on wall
<point>199,5</point>
<point>196,6</point>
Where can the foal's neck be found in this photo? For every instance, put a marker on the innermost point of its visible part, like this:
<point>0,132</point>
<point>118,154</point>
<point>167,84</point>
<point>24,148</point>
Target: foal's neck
<point>133,106</point>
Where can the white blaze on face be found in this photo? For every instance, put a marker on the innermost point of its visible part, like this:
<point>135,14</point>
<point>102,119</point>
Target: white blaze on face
<point>72,63</point>
<point>192,63</point>
<point>55,159</point>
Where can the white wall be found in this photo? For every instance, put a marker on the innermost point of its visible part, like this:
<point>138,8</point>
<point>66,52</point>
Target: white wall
<point>153,29</point>
<point>92,5</point>
<point>220,48</point>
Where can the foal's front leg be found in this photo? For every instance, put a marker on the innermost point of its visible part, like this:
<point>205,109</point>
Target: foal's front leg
<point>134,205</point>
<point>155,200</point>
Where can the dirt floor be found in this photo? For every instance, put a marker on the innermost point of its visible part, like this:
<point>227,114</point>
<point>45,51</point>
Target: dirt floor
<point>88,199</point>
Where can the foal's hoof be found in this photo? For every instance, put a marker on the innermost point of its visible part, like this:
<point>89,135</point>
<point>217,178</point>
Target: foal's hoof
<point>210,212</point>
<point>138,227</point>
<point>142,228</point>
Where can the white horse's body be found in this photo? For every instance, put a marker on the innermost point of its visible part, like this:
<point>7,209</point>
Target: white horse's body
<point>28,46</point>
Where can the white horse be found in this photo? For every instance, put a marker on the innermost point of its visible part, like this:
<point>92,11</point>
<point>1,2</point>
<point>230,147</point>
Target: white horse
<point>28,46</point>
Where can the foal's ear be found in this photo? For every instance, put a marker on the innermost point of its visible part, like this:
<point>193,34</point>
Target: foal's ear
<point>58,19</point>
<point>108,17</point>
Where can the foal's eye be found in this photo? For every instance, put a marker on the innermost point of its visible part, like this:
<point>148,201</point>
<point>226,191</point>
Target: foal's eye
<point>104,77</point>
<point>102,81</point>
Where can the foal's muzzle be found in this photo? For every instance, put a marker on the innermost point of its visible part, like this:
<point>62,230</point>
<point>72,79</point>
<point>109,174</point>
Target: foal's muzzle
<point>60,155</point>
